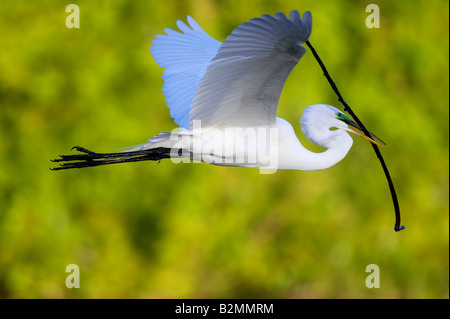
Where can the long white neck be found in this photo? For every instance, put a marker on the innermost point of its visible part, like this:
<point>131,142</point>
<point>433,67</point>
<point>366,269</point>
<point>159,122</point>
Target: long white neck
<point>294,156</point>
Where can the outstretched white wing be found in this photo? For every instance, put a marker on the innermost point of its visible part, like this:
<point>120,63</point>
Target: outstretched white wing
<point>243,82</point>
<point>185,57</point>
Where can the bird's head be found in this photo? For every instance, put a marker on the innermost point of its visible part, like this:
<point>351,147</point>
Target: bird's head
<point>319,121</point>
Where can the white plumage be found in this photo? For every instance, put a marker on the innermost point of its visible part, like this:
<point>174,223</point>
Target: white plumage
<point>235,85</point>
<point>185,57</point>
<point>244,75</point>
<point>224,97</point>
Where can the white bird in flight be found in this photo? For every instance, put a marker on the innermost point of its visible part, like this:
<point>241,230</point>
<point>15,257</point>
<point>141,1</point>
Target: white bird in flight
<point>224,97</point>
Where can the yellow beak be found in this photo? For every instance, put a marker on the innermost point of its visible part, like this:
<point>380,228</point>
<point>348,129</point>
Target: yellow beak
<point>360,133</point>
<point>358,130</point>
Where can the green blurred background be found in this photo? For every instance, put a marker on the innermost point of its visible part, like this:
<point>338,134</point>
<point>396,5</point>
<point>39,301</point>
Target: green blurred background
<point>144,230</point>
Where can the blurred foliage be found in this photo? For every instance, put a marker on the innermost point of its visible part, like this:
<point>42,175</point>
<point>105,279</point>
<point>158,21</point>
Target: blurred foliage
<point>148,230</point>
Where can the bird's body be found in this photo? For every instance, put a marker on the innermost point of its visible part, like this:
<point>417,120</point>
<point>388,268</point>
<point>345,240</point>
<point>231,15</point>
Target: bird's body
<point>269,147</point>
<point>224,97</point>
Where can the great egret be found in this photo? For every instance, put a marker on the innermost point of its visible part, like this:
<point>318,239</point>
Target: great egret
<point>224,97</point>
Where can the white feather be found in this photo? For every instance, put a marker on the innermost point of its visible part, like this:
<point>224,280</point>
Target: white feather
<point>185,57</point>
<point>244,80</point>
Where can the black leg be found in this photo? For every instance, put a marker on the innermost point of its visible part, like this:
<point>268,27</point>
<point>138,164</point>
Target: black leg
<point>90,159</point>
